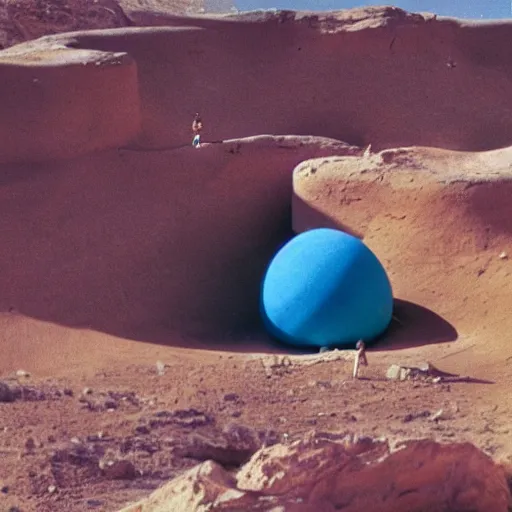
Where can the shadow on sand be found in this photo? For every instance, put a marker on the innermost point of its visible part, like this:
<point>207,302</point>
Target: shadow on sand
<point>414,325</point>
<point>469,380</point>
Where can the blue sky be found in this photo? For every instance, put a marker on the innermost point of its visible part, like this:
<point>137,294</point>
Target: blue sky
<point>477,9</point>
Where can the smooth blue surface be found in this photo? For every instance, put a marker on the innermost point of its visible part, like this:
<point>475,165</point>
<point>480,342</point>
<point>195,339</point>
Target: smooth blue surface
<point>326,288</point>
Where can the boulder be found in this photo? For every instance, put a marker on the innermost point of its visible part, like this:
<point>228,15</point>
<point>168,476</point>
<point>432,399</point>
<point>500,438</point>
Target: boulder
<point>328,472</point>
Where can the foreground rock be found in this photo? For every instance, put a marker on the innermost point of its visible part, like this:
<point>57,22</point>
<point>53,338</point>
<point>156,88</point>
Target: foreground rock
<point>328,472</point>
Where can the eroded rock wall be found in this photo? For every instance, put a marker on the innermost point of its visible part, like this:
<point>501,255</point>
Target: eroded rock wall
<point>379,76</point>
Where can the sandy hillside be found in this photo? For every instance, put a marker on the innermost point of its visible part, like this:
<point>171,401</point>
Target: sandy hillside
<point>123,246</point>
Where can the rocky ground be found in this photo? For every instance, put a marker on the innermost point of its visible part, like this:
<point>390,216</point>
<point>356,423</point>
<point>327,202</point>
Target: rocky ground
<point>108,440</point>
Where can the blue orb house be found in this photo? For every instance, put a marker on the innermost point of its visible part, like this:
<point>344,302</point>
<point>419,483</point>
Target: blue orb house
<point>326,288</point>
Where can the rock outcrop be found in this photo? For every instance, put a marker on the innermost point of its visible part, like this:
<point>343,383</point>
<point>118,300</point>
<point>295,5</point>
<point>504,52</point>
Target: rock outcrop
<point>328,472</point>
<point>23,20</point>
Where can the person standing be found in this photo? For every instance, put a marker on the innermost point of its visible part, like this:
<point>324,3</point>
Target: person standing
<point>360,358</point>
<point>197,126</point>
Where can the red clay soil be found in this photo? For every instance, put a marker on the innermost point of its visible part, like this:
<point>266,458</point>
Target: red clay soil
<point>123,246</point>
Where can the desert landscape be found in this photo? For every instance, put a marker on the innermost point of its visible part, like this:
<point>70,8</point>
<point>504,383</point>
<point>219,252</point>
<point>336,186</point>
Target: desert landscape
<point>135,371</point>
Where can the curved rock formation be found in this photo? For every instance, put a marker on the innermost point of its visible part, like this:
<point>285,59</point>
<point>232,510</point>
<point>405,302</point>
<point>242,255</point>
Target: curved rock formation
<point>323,473</point>
<point>58,103</point>
<point>439,221</point>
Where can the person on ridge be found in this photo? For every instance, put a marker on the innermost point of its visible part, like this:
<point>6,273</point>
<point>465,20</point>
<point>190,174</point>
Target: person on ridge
<point>197,126</point>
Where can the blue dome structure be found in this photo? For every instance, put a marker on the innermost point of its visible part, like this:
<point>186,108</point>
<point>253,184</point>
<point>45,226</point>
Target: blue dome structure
<point>326,288</point>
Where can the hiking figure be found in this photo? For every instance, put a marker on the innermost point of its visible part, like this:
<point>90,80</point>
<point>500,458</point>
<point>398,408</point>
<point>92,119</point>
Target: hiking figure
<point>360,358</point>
<point>197,126</point>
